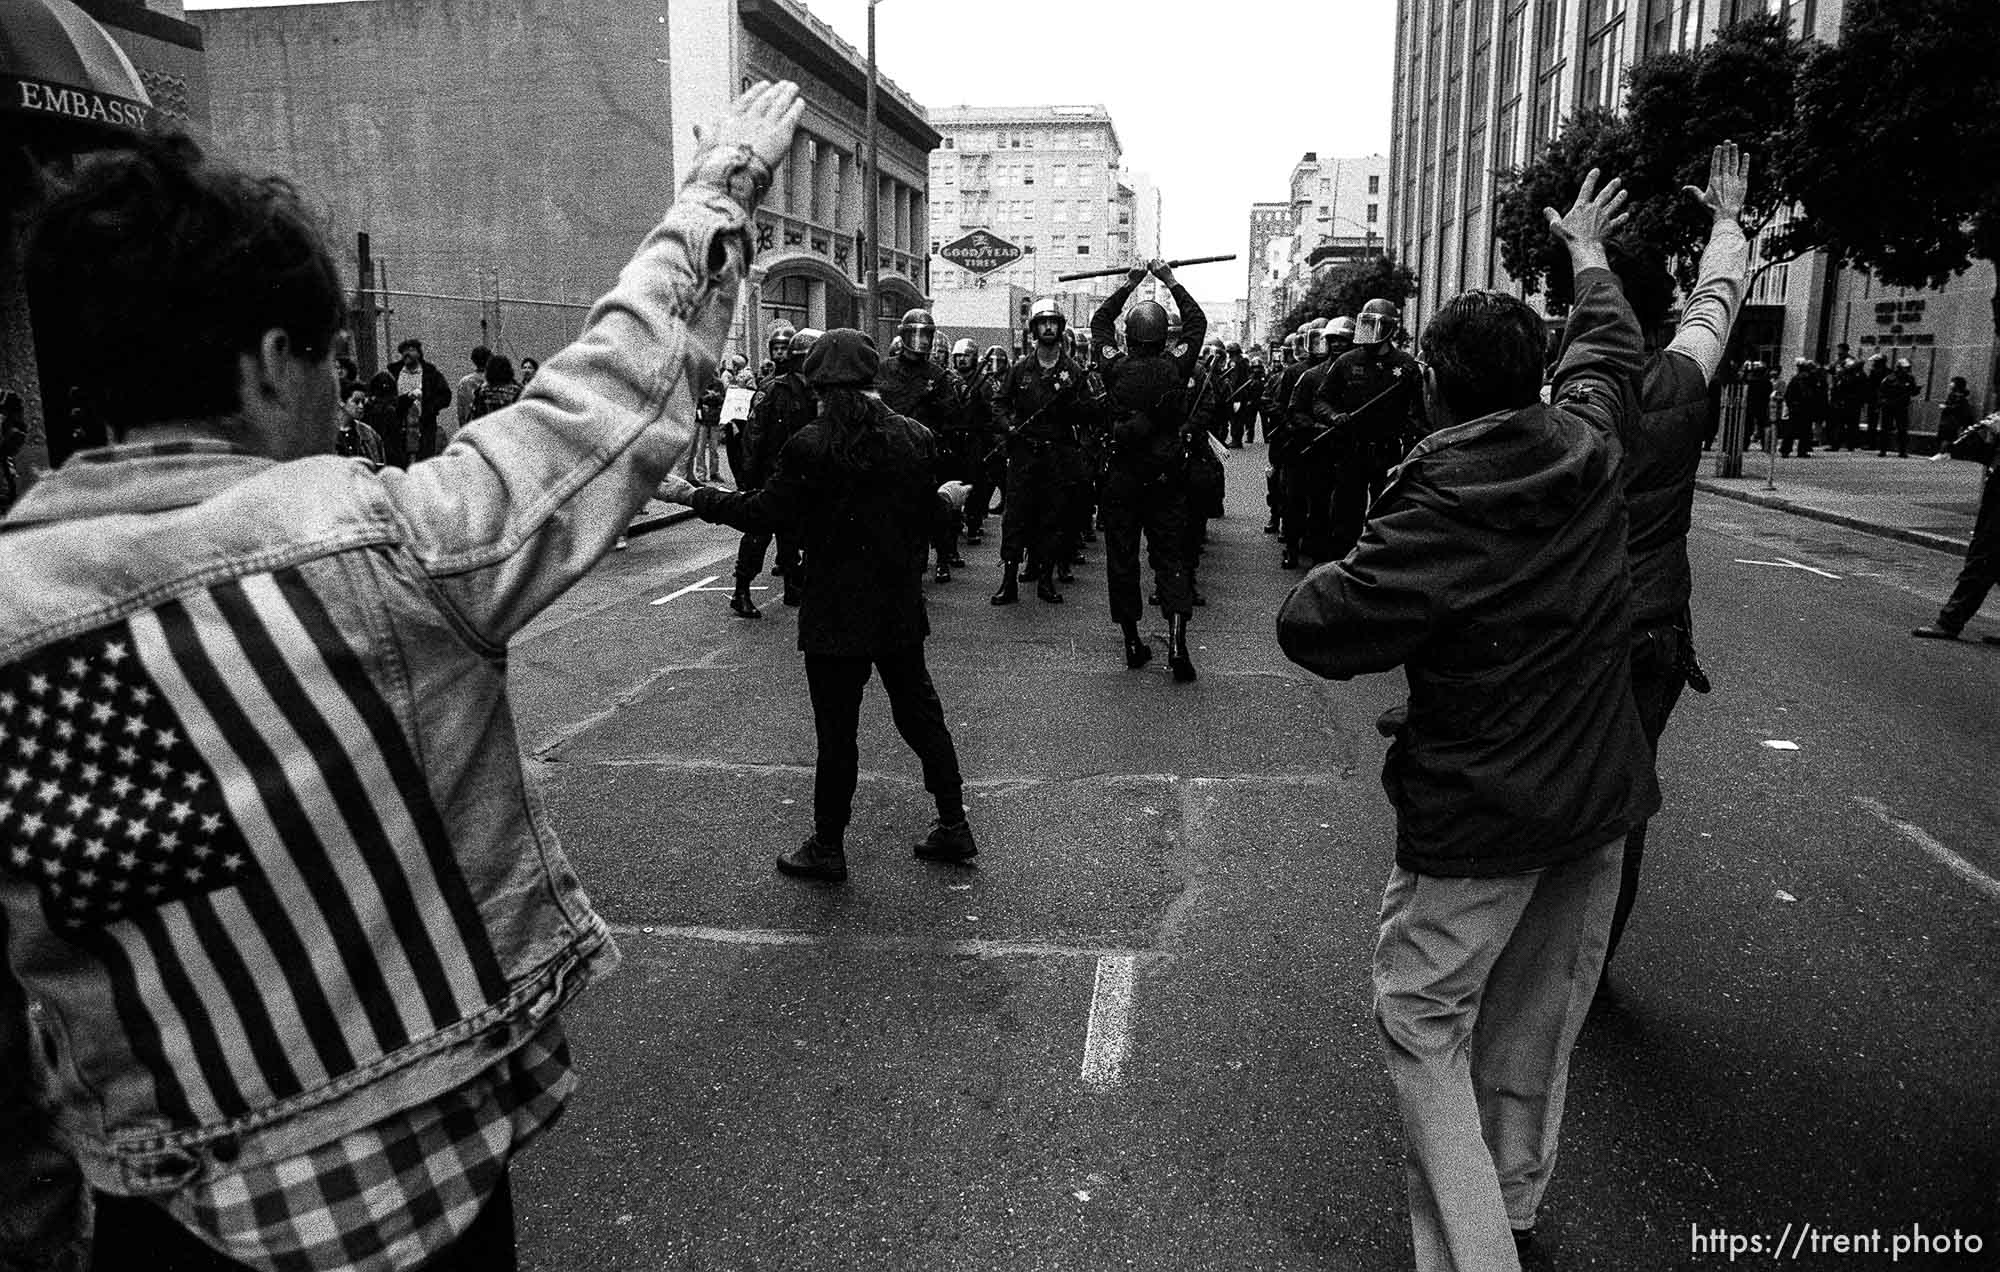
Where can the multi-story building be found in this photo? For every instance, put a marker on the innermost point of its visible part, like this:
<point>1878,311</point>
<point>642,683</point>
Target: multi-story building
<point>1046,178</point>
<point>1336,213</point>
<point>1270,225</point>
<point>504,162</point>
<point>1482,87</point>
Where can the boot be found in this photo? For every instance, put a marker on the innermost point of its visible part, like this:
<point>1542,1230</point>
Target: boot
<point>1045,587</point>
<point>974,535</point>
<point>1066,575</point>
<point>1137,652</point>
<point>943,572</point>
<point>1271,526</point>
<point>1033,571</point>
<point>957,561</point>
<point>814,860</point>
<point>1290,561</point>
<point>1010,585</point>
<point>741,605</point>
<point>1177,651</point>
<point>948,842</point>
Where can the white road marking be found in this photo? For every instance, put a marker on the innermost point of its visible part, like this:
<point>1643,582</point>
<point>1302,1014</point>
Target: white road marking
<point>692,587</point>
<point>899,944</point>
<point>1784,564</point>
<point>1108,1040</point>
<point>1983,883</point>
<point>1779,745</point>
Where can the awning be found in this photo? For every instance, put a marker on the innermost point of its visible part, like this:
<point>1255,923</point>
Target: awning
<point>56,62</point>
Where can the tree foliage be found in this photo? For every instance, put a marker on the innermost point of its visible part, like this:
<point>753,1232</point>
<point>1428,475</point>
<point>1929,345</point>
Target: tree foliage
<point>1678,106</point>
<point>1344,289</point>
<point>1894,152</point>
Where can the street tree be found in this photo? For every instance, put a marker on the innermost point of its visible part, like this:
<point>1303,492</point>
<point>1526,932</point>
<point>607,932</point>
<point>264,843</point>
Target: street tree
<point>1344,289</point>
<point>1894,151</point>
<point>1677,107</point>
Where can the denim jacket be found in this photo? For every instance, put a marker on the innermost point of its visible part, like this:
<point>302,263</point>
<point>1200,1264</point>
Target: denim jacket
<point>332,645</point>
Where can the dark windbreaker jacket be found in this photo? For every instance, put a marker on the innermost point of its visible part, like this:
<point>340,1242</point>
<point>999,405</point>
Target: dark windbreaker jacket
<point>1493,570</point>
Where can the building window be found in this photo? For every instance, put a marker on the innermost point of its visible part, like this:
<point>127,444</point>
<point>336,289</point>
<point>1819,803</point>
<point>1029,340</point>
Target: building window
<point>1027,174</point>
<point>1062,210</point>
<point>1082,248</point>
<point>1374,187</point>
<point>1374,209</point>
<point>1060,175</point>
<point>947,144</point>
<point>1083,210</point>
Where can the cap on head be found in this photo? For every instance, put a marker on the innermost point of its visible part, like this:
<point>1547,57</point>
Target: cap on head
<point>842,358</point>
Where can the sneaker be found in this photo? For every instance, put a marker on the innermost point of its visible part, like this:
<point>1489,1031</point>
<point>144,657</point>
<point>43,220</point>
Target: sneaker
<point>1931,631</point>
<point>813,860</point>
<point>948,842</point>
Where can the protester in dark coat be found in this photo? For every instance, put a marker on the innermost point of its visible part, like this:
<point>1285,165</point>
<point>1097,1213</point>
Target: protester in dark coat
<point>1493,570</point>
<point>857,486</point>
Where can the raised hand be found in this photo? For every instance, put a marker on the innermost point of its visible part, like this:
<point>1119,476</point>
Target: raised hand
<point>1162,271</point>
<point>1135,275</point>
<point>762,120</point>
<point>1594,215</point>
<point>1728,182</point>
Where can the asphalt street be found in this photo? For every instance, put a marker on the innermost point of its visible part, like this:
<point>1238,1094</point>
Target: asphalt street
<point>1138,1034</point>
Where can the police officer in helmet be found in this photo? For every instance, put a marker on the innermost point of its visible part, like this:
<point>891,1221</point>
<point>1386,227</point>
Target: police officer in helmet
<point>1043,404</point>
<point>1372,399</point>
<point>913,386</point>
<point>1147,487</point>
<point>781,407</point>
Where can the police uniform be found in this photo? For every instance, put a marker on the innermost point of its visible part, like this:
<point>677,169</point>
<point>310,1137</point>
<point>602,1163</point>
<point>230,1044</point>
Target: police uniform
<point>919,389</point>
<point>1147,406</point>
<point>783,405</point>
<point>1308,511</point>
<point>1045,410</point>
<point>1373,397</point>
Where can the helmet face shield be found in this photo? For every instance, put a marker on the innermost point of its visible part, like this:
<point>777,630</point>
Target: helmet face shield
<point>779,346</point>
<point>1373,328</point>
<point>917,332</point>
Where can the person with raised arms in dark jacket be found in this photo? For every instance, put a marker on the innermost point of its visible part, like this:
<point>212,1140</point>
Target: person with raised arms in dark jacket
<point>857,487</point>
<point>1493,571</point>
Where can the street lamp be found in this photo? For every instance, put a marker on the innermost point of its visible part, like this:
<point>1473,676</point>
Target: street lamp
<point>873,276</point>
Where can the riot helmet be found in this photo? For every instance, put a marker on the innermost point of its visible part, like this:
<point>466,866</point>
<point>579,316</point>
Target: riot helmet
<point>804,339</point>
<point>1233,349</point>
<point>963,355</point>
<point>1377,322</point>
<point>918,332</point>
<point>1314,332</point>
<point>1046,322</point>
<point>1145,324</point>
<point>994,359</point>
<point>779,346</point>
<point>1339,336</point>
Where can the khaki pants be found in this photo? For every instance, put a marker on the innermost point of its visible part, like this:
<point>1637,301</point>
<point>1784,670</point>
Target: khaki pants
<point>1481,986</point>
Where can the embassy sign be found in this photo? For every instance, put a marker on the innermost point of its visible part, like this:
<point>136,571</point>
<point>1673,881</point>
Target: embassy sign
<point>981,252</point>
<point>61,101</point>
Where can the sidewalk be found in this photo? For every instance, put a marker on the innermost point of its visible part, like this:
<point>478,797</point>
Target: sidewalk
<point>1914,500</point>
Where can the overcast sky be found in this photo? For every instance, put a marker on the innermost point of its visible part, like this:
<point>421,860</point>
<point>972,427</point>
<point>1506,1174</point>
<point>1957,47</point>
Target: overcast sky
<point>1216,99</point>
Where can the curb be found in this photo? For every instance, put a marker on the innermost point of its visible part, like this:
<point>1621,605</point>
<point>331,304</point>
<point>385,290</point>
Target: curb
<point>1921,538</point>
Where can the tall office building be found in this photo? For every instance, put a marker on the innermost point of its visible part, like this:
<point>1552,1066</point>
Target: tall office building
<point>1046,178</point>
<point>1336,212</point>
<point>1483,85</point>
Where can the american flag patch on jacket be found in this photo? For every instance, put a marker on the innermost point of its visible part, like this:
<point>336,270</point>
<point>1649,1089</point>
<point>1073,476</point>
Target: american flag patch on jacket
<point>214,799</point>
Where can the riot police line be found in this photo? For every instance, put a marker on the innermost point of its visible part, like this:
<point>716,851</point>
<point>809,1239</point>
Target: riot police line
<point>1081,435</point>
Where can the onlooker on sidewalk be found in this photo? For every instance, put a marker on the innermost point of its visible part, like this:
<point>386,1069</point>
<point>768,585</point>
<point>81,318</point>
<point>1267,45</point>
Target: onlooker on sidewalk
<point>355,438</point>
<point>383,412</point>
<point>1805,402</point>
<point>423,393</point>
<point>857,483</point>
<point>365,927</point>
<point>1845,399</point>
<point>1897,391</point>
<point>499,390</point>
<point>1756,399</point>
<point>468,384</point>
<point>1982,556</point>
<point>529,368</point>
<point>1494,571</point>
<point>1954,413</point>
<point>1875,371</point>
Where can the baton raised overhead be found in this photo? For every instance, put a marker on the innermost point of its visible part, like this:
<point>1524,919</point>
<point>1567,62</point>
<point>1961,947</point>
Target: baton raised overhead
<point>1126,269</point>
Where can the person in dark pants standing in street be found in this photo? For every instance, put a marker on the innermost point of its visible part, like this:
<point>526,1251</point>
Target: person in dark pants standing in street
<point>782,407</point>
<point>1845,395</point>
<point>912,385</point>
<point>1147,488</point>
<point>858,485</point>
<point>1982,555</point>
<point>1043,405</point>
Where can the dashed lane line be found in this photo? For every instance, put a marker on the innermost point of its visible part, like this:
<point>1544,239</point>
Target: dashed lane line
<point>1108,1039</point>
<point>1984,884</point>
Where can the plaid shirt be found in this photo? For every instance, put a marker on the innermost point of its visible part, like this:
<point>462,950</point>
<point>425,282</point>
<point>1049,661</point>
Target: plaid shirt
<point>392,1195</point>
